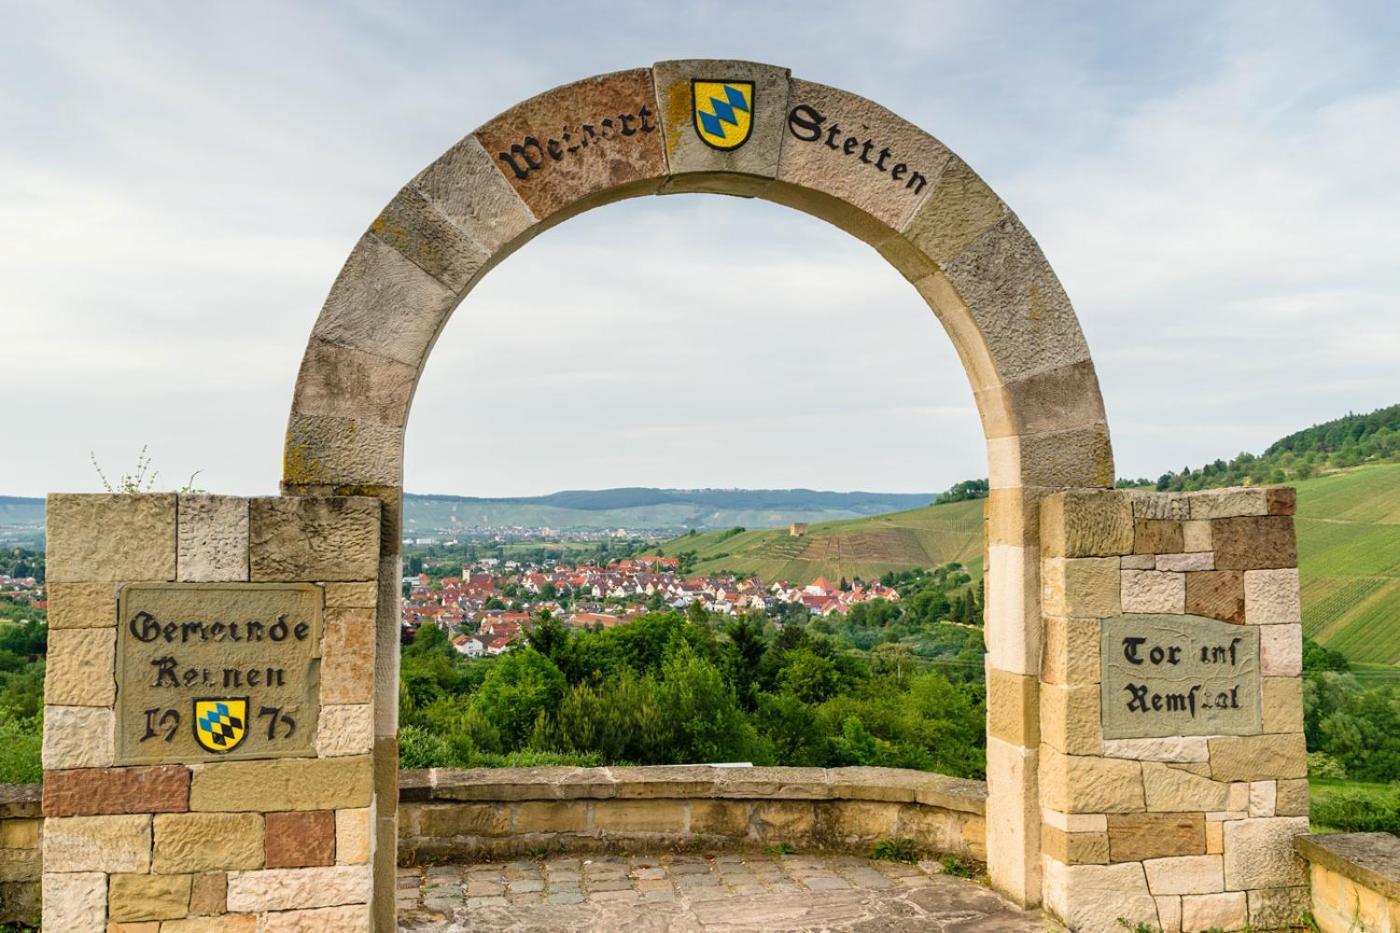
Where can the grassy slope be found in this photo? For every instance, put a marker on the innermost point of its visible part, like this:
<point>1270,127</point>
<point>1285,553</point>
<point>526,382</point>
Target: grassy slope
<point>1349,555</point>
<point>862,547</point>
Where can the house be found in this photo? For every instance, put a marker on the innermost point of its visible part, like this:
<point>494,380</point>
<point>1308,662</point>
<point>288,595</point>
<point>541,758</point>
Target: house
<point>468,646</point>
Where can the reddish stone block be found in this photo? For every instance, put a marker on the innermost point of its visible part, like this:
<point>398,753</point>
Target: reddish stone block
<point>104,791</point>
<point>1216,594</point>
<point>1136,836</point>
<point>1282,500</point>
<point>1158,536</point>
<point>300,839</point>
<point>1254,542</point>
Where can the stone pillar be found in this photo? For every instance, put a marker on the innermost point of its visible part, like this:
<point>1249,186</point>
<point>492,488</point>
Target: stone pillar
<point>1172,767</point>
<point>208,724</point>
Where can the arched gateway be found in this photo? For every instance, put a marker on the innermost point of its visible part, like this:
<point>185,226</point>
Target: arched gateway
<point>1087,798</point>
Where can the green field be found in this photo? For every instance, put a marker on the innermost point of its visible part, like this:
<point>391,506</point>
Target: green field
<point>1349,561</point>
<point>862,547</point>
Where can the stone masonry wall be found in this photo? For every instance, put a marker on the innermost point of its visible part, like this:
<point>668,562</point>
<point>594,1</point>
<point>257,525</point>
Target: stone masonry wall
<point>1183,833</point>
<point>21,862</point>
<point>265,844</point>
<point>452,814</point>
<point>1355,881</point>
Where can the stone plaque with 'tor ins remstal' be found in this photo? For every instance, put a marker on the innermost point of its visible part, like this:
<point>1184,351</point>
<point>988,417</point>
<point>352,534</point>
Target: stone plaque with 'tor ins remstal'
<point>211,671</point>
<point>1166,675</point>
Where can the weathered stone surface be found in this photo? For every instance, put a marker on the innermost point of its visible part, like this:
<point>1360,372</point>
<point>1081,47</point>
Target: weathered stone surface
<point>212,539</point>
<point>1259,853</point>
<point>1224,911</point>
<point>300,839</point>
<point>1071,653</point>
<point>82,605</point>
<point>202,842</point>
<point>98,843</point>
<point>1229,503</point>
<point>553,816</point>
<point>97,791</point>
<point>1012,772</point>
<point>208,893</point>
<point>340,382</point>
<point>1255,543</point>
<point>1011,708</point>
<point>463,819</point>
<point>1162,506</point>
<point>352,836</point>
<point>1012,637</point>
<point>1170,790</point>
<point>1095,897</point>
<point>1135,836</point>
<point>1154,591</point>
<point>1157,536</point>
<point>1176,748</point>
<point>1169,913</point>
<point>1086,523</point>
<point>413,225</point>
<point>546,149</point>
<point>1216,594</point>
<point>110,538</point>
<point>688,153</point>
<point>80,665</point>
<point>1196,536</point>
<point>1140,562</point>
<point>352,918</point>
<point>1069,719</point>
<point>351,595</point>
<point>345,730</point>
<point>1281,650</point>
<point>1263,796</point>
<point>1074,457</point>
<point>1074,848</point>
<point>229,923</point>
<point>296,538</point>
<point>1292,798</point>
<point>467,187</point>
<point>1258,757</point>
<point>1083,784</point>
<point>75,902</point>
<point>1282,500</point>
<point>298,888</point>
<point>639,816</point>
<point>347,664</point>
<point>1277,908</point>
<point>1369,859</point>
<point>1185,874</point>
<point>1271,597</point>
<point>1059,399</point>
<point>325,449</point>
<point>148,897</point>
<point>20,834</point>
<point>283,784</point>
<point>78,736</point>
<point>1084,587</point>
<point>961,208</point>
<point>1182,563</point>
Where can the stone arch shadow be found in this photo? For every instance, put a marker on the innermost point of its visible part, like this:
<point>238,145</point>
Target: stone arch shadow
<point>818,149</point>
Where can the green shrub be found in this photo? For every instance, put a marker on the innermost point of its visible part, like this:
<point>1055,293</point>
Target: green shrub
<point>1357,810</point>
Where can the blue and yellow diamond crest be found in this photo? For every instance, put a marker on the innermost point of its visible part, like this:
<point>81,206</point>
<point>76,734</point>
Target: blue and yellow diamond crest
<point>723,112</point>
<point>220,724</point>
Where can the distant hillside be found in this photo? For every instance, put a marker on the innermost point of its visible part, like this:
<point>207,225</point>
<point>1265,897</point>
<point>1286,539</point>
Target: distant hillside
<point>644,508</point>
<point>863,547</point>
<point>21,512</point>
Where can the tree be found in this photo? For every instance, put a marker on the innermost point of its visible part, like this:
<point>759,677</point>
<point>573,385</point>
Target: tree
<point>523,686</point>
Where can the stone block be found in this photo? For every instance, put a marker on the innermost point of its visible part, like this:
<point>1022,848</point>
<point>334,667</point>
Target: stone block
<point>339,382</point>
<point>1182,563</point>
<point>852,821</point>
<point>720,817</point>
<point>1169,913</point>
<point>299,839</point>
<point>1282,500</point>
<point>351,595</point>
<point>1186,874</point>
<point>75,902</point>
<point>1157,536</point>
<point>1011,707</point>
<point>1086,523</point>
<point>1255,543</point>
<point>1170,790</point>
<point>352,836</point>
<point>1154,591</point>
<point>1215,836</point>
<point>466,186</point>
<point>1216,594</point>
<point>1229,503</point>
<point>1096,897</point>
<point>1137,836</point>
<point>1071,652</point>
<point>296,538</point>
<point>1083,587</point>
<point>411,224</point>
<point>1263,797</point>
<point>203,842</point>
<point>1292,798</point>
<point>228,923</point>
<point>1271,597</point>
<point>688,154</point>
<point>1074,457</point>
<point>347,657</point>
<point>208,893</point>
<point>78,736</point>
<point>1140,562</point>
<point>350,918</point>
<point>1012,608</point>
<point>1161,506</point>
<point>1012,807</point>
<point>463,819</point>
<point>784,821</point>
<point>1069,719</point>
<point>639,816</point>
<point>282,784</point>
<point>1258,757</point>
<point>1074,848</point>
<point>1084,784</point>
<point>552,816</point>
<point>98,843</point>
<point>1176,748</point>
<point>592,141</point>
<point>1259,853</point>
<point>110,538</point>
<point>20,865</point>
<point>132,898</point>
<point>20,834</point>
<point>99,791</point>
<point>345,730</point>
<point>1224,911</point>
<point>82,605</point>
<point>212,539</point>
<point>1196,537</point>
<point>961,208</point>
<point>80,667</point>
<point>298,888</point>
<point>1281,650</point>
<point>326,449</point>
<point>1278,908</point>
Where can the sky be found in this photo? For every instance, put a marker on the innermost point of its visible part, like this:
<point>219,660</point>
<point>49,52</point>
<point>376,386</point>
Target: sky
<point>1216,185</point>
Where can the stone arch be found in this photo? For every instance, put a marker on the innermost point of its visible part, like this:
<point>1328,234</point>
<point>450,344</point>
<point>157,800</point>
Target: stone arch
<point>818,149</point>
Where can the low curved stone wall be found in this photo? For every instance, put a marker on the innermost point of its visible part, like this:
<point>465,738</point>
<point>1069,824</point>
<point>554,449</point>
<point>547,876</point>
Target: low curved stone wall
<point>466,814</point>
<point>20,861</point>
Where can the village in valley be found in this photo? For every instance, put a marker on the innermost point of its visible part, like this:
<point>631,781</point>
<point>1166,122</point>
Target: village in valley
<point>486,608</point>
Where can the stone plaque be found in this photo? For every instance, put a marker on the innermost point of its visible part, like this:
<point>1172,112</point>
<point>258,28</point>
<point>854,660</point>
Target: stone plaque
<point>1169,675</point>
<point>211,671</point>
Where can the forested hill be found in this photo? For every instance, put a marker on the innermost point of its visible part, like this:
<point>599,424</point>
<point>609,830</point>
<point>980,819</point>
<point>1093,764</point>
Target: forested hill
<point>16,510</point>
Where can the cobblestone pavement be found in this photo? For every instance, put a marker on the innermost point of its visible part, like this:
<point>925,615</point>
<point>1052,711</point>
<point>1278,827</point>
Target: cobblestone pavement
<point>624,893</point>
